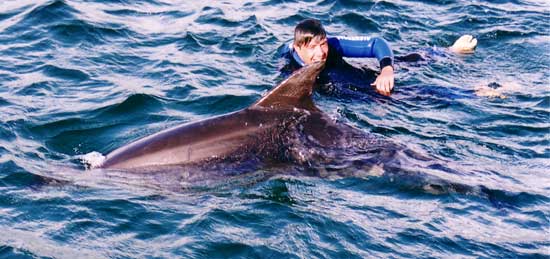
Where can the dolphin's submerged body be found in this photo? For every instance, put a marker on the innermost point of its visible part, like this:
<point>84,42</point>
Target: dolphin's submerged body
<point>283,126</point>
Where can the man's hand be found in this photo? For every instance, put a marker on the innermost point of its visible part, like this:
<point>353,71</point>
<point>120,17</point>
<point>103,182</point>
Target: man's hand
<point>384,81</point>
<point>466,44</point>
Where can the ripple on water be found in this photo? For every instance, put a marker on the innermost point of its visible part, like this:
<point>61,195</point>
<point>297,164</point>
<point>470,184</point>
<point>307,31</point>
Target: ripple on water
<point>77,31</point>
<point>216,104</point>
<point>71,135</point>
<point>64,73</point>
<point>134,104</point>
<point>359,22</point>
<point>180,92</point>
<point>41,15</point>
<point>36,89</point>
<point>131,13</point>
<point>15,176</point>
<point>6,134</point>
<point>216,16</point>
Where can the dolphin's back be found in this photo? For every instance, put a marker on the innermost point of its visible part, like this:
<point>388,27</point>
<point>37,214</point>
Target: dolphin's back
<point>249,131</point>
<point>194,142</point>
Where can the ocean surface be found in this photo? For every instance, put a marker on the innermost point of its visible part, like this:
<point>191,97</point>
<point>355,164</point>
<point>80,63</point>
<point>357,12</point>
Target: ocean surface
<point>91,75</point>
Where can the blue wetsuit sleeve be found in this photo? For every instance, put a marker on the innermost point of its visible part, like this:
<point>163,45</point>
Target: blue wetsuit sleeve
<point>364,47</point>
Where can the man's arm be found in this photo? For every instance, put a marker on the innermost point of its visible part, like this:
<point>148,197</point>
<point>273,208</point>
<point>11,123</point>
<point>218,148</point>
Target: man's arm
<point>369,47</point>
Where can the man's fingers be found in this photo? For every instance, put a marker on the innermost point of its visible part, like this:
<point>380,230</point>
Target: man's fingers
<point>383,87</point>
<point>375,83</point>
<point>466,38</point>
<point>377,86</point>
<point>388,85</point>
<point>474,43</point>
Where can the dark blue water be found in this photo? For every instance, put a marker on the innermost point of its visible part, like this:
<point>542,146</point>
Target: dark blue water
<point>83,76</point>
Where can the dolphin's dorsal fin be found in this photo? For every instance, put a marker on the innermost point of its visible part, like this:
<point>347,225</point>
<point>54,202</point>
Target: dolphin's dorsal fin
<point>295,91</point>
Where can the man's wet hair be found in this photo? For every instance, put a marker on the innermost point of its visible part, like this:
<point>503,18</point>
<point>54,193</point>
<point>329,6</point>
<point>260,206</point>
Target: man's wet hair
<point>307,30</point>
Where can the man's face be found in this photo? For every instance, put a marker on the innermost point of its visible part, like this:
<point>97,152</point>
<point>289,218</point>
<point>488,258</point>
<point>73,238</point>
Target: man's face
<point>315,50</point>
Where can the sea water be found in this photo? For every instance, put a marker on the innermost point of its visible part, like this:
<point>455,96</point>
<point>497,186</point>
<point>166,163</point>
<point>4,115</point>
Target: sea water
<point>85,76</point>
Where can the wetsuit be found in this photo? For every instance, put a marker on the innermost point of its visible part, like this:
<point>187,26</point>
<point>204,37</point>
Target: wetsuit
<point>339,47</point>
<point>337,71</point>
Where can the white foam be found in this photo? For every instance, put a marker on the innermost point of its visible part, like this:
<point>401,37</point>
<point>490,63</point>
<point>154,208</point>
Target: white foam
<point>92,160</point>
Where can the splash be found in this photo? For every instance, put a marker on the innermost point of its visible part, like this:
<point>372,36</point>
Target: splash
<point>92,160</point>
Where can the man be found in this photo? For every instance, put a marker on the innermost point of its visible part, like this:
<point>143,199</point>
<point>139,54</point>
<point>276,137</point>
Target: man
<point>311,44</point>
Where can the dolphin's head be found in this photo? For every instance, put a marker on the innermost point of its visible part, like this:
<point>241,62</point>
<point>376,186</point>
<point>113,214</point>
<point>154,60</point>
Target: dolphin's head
<point>295,91</point>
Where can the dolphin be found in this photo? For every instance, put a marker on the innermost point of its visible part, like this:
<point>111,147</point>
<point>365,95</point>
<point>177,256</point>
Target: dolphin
<point>284,125</point>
